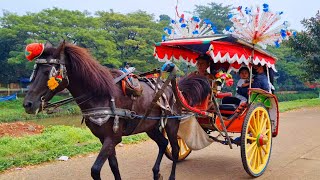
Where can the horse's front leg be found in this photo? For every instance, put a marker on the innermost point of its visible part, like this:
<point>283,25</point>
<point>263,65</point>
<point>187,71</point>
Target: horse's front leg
<point>172,131</point>
<point>162,143</point>
<point>113,163</point>
<point>107,150</point>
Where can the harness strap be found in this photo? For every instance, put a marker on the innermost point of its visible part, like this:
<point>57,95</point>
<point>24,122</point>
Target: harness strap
<point>108,111</point>
<point>159,93</point>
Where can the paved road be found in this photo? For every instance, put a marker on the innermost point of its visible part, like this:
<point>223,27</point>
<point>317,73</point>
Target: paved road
<point>295,155</point>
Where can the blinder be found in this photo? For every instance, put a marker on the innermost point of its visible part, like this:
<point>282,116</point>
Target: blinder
<point>54,73</point>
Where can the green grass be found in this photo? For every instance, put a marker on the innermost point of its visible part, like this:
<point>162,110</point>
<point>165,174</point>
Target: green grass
<point>13,111</point>
<point>296,104</point>
<point>54,142</point>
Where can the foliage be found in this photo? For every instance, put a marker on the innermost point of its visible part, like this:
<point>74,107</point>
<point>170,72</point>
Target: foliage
<point>217,13</point>
<point>111,37</point>
<point>299,95</point>
<point>54,142</point>
<point>134,35</point>
<point>307,45</point>
<point>290,69</point>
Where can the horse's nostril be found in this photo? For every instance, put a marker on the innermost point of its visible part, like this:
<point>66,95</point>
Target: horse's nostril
<point>27,104</point>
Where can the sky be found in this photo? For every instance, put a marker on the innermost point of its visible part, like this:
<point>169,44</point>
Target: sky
<point>294,10</point>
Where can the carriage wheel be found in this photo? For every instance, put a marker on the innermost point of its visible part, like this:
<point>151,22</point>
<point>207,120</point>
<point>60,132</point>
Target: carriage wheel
<point>256,140</point>
<point>184,150</point>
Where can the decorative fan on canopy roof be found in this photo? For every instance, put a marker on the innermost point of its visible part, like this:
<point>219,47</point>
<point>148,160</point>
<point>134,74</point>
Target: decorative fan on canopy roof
<point>254,25</point>
<point>186,28</point>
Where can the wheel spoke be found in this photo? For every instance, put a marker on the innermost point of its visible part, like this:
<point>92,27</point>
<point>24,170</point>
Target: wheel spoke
<point>258,158</point>
<point>252,130</point>
<point>265,132</point>
<point>254,160</point>
<point>254,144</point>
<point>261,155</point>
<point>255,123</point>
<point>264,149</point>
<point>262,124</point>
<point>251,138</point>
<point>252,154</point>
<point>258,120</point>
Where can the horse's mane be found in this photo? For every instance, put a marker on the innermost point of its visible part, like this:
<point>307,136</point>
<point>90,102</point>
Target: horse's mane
<point>96,78</point>
<point>195,88</point>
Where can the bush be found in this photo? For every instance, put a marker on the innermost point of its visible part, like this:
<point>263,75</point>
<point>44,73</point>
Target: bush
<point>299,95</point>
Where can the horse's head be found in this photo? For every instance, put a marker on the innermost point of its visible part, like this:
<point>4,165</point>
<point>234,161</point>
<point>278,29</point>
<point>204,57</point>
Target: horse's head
<point>49,75</point>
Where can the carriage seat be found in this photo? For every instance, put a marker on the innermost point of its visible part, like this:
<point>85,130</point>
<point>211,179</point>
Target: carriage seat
<point>229,105</point>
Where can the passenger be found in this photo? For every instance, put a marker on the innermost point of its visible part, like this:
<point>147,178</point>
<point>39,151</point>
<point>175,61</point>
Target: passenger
<point>243,83</point>
<point>203,63</point>
<point>260,80</point>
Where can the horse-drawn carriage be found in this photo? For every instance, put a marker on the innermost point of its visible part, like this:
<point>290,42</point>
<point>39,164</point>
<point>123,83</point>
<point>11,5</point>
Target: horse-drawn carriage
<point>256,121</point>
<point>110,112</point>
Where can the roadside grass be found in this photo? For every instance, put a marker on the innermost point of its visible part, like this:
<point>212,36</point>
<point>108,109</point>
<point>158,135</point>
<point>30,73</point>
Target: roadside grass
<point>296,104</point>
<point>11,111</point>
<point>54,142</point>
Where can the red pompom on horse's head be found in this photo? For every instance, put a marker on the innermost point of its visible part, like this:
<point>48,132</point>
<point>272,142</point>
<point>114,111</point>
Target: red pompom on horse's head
<point>34,50</point>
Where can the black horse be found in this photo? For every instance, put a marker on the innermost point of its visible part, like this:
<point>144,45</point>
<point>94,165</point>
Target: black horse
<point>107,112</point>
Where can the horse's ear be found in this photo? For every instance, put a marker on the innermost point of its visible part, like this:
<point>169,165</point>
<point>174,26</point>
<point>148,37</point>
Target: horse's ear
<point>60,49</point>
<point>48,45</point>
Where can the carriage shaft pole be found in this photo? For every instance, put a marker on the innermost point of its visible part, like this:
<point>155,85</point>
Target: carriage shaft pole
<point>222,121</point>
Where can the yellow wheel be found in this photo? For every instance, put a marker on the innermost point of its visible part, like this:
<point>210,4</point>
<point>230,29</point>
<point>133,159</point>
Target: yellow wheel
<point>183,152</point>
<point>256,140</point>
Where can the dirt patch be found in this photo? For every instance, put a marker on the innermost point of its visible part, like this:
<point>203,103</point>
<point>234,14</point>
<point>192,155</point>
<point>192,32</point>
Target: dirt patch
<point>18,129</point>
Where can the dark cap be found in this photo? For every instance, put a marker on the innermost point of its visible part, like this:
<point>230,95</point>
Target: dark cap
<point>204,57</point>
<point>243,68</point>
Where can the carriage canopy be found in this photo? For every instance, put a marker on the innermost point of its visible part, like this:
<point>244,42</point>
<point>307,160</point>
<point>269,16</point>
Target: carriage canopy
<point>221,48</point>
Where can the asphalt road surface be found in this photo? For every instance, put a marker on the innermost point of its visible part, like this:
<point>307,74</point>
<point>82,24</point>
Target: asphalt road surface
<point>295,155</point>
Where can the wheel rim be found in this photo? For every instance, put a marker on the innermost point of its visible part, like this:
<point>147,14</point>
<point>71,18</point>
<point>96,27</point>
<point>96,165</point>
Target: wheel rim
<point>184,150</point>
<point>258,140</point>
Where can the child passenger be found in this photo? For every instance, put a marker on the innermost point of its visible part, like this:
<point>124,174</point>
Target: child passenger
<point>242,84</point>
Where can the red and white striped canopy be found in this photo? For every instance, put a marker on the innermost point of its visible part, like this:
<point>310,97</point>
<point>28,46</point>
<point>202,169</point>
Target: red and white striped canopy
<point>221,48</point>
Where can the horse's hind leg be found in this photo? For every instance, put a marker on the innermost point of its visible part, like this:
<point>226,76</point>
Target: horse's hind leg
<point>172,131</point>
<point>107,150</point>
<point>162,143</point>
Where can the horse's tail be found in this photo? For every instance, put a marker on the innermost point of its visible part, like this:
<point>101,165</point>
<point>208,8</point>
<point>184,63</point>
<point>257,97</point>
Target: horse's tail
<point>195,88</point>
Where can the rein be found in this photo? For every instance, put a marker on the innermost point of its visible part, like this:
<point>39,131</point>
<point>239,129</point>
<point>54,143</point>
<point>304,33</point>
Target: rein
<point>62,102</point>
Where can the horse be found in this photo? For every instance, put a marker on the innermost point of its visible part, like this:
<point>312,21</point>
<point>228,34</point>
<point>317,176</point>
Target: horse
<point>107,112</point>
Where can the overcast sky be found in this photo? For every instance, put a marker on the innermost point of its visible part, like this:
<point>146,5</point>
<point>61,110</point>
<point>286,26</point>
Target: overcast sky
<point>294,10</point>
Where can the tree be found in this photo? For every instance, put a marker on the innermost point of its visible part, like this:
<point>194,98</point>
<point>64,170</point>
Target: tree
<point>111,37</point>
<point>134,35</point>
<point>289,75</point>
<point>164,17</point>
<point>51,25</point>
<point>307,45</point>
<point>217,13</point>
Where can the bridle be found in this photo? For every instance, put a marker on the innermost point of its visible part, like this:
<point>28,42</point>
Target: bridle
<point>54,73</point>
